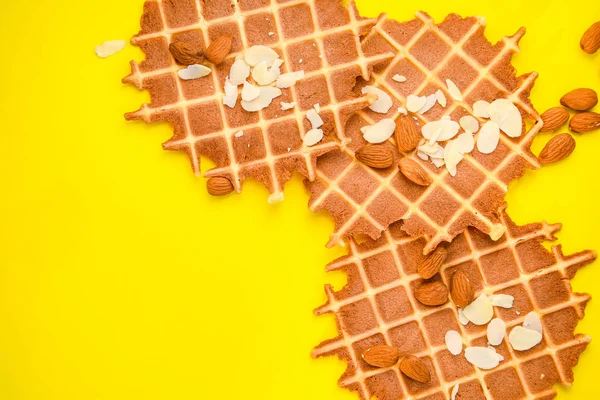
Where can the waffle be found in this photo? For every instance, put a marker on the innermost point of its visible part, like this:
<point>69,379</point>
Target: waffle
<point>321,37</point>
<point>365,201</point>
<point>377,307</point>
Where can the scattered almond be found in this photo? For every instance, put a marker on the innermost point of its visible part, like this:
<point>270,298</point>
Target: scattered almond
<point>375,155</point>
<point>462,290</point>
<point>590,41</point>
<point>554,118</point>
<point>186,53</point>
<point>381,356</point>
<point>432,264</point>
<point>219,186</point>
<point>557,149</point>
<point>432,293</point>
<point>585,122</point>
<point>414,172</point>
<point>581,99</point>
<point>407,134</point>
<point>415,368</point>
<point>219,49</point>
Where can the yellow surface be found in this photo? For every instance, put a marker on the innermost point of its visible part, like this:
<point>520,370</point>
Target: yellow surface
<point>120,278</point>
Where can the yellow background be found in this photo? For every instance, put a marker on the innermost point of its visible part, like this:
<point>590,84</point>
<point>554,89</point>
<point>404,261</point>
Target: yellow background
<point>120,278</point>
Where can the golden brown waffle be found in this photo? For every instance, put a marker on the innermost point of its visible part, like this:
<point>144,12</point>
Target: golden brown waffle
<point>362,200</point>
<point>321,37</point>
<point>377,306</point>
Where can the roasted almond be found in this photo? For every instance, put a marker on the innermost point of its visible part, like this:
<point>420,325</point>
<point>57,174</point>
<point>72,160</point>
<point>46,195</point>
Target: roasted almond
<point>557,149</point>
<point>381,356</point>
<point>554,118</point>
<point>219,186</point>
<point>585,122</point>
<point>462,290</point>
<point>590,41</point>
<point>432,264</point>
<point>407,134</point>
<point>376,155</point>
<point>415,368</point>
<point>219,49</point>
<point>187,53</point>
<point>414,172</point>
<point>581,99</point>
<point>432,293</point>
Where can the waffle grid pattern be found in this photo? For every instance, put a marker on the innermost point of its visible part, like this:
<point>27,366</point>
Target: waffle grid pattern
<point>266,158</point>
<point>364,214</point>
<point>381,278</point>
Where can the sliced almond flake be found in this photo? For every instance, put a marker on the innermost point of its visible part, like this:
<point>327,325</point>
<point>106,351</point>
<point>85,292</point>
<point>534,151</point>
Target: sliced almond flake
<point>451,160</point>
<point>380,132</point>
<point>267,94</point>
<point>480,109</point>
<point>257,54</point>
<point>110,48</point>
<point>441,130</point>
<point>454,90</point>
<point>383,103</point>
<point>431,100</point>
<point>461,316</point>
<point>488,138</point>
<point>271,33</point>
<point>287,106</point>
<point>441,98</point>
<point>315,119</point>
<point>250,92</point>
<point>453,342</point>
<point>507,116</point>
<point>522,339</point>
<point>239,134</point>
<point>265,76</point>
<point>415,103</point>
<point>502,300</point>
<point>289,79</point>
<point>312,137</point>
<point>194,71</point>
<point>231,94</point>
<point>532,321</point>
<point>454,392</point>
<point>239,72</point>
<point>402,111</point>
<point>399,78</point>
<point>465,143</point>
<point>276,197</point>
<point>300,61</point>
<point>317,107</point>
<point>432,149</point>
<point>480,311</point>
<point>422,156</point>
<point>496,330</point>
<point>438,162</point>
<point>469,124</point>
<point>482,357</point>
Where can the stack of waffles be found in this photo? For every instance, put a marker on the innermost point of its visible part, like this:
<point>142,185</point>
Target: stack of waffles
<point>357,74</point>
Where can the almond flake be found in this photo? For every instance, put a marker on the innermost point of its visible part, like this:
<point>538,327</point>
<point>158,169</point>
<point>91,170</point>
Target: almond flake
<point>496,330</point>
<point>312,137</point>
<point>438,162</point>
<point>441,98</point>
<point>317,107</point>
<point>465,142</point>
<point>431,100</point>
<point>482,357</point>
<point>264,75</point>
<point>275,198</point>
<point>422,156</point>
<point>532,321</point>
<point>415,103</point>
<point>314,118</point>
<point>469,124</point>
<point>488,137</point>
<point>454,392</point>
<point>440,131</point>
<point>480,109</point>
<point>287,106</point>
<point>380,132</point>
<point>250,92</point>
<point>257,54</point>
<point>507,116</point>
<point>432,149</point>
<point>453,342</point>
<point>461,316</point>
<point>480,311</point>
<point>402,110</point>
<point>522,339</point>
<point>110,48</point>
<point>399,78</point>
<point>289,79</point>
<point>231,93</point>
<point>271,33</point>
<point>267,94</point>
<point>239,72</point>
<point>239,134</point>
<point>502,300</point>
<point>454,90</point>
<point>194,71</point>
<point>383,103</point>
<point>452,157</point>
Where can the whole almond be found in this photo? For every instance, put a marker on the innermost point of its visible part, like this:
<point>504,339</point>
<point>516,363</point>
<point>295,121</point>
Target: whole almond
<point>590,41</point>
<point>219,49</point>
<point>186,53</point>
<point>415,368</point>
<point>407,134</point>
<point>381,356</point>
<point>581,99</point>
<point>462,290</point>
<point>557,149</point>
<point>432,264</point>
<point>554,118</point>
<point>414,172</point>
<point>585,122</point>
<point>219,186</point>
<point>375,155</point>
<point>432,293</point>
